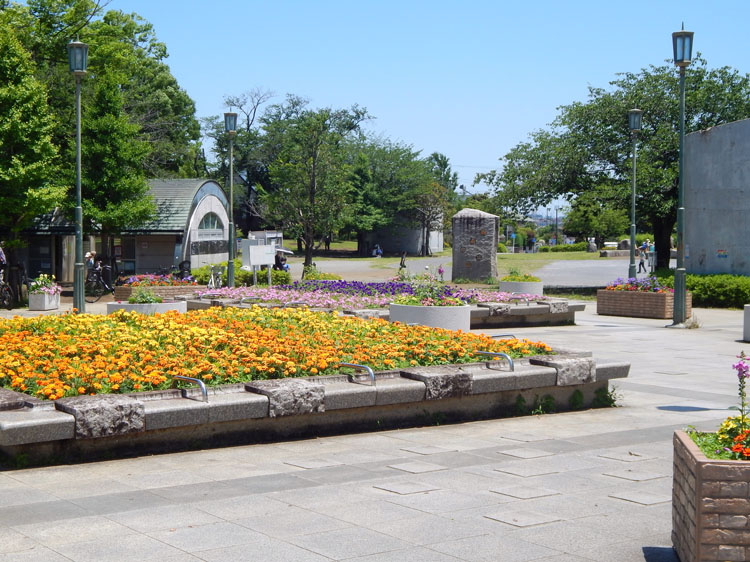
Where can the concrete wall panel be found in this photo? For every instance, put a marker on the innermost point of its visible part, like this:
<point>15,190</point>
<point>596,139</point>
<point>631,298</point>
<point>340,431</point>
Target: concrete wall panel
<point>717,186</point>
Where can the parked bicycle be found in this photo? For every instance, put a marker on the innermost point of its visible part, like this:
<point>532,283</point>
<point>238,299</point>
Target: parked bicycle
<point>11,288</point>
<point>214,280</point>
<point>95,285</point>
<point>6,294</point>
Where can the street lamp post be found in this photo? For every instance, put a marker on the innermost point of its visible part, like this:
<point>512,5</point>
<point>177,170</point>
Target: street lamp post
<point>634,120</point>
<point>230,125</point>
<point>77,56</point>
<point>682,43</point>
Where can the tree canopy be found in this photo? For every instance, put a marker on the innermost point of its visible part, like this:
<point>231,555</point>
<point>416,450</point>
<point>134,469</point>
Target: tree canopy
<point>27,154</point>
<point>588,148</point>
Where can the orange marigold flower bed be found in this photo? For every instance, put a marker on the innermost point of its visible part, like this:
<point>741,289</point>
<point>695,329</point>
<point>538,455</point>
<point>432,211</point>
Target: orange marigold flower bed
<point>70,355</point>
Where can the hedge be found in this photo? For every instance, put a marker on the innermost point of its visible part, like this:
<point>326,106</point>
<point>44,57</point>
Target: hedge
<point>242,277</point>
<point>717,290</point>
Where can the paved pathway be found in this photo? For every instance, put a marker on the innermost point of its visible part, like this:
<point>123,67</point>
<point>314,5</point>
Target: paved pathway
<point>584,486</point>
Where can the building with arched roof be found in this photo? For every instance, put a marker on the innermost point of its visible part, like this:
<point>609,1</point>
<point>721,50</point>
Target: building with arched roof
<point>191,223</point>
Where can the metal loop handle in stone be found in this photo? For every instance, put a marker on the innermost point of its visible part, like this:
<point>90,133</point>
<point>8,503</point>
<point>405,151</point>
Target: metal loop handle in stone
<point>199,382</point>
<point>243,300</point>
<point>357,367</point>
<point>503,337</point>
<point>521,297</point>
<point>209,294</point>
<point>497,354</point>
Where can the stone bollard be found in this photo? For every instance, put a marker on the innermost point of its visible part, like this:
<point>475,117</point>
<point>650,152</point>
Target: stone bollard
<point>746,324</point>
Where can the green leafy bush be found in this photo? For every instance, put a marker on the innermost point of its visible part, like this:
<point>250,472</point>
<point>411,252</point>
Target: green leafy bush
<point>143,295</point>
<point>241,276</point>
<point>312,274</point>
<point>716,290</point>
<point>515,275</point>
<point>545,248</point>
<point>577,247</point>
<point>502,248</point>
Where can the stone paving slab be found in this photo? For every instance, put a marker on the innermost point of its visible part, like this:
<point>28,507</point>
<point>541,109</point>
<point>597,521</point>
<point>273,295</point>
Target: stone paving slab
<point>363,510</point>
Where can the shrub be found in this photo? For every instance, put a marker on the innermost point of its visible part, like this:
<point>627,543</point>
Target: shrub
<point>515,275</point>
<point>143,295</point>
<point>311,273</point>
<point>714,290</point>
<point>545,248</point>
<point>243,277</point>
<point>577,247</point>
<point>502,248</point>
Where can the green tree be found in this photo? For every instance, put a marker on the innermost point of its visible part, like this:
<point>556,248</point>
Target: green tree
<point>123,44</point>
<point>27,154</point>
<point>310,174</point>
<point>588,146</point>
<point>387,179</point>
<point>126,45</point>
<point>113,184</point>
<point>593,216</point>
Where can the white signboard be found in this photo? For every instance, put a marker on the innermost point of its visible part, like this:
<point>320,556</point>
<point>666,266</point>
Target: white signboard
<point>259,255</point>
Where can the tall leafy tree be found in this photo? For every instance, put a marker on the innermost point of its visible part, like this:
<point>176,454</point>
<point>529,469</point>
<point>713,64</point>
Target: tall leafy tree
<point>588,146</point>
<point>27,154</point>
<point>126,45</point>
<point>310,173</point>
<point>387,177</point>
<point>119,43</point>
<point>114,186</point>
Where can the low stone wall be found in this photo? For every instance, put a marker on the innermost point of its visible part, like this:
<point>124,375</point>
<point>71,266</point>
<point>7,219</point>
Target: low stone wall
<point>163,291</point>
<point>77,428</point>
<point>639,304</point>
<point>710,505</point>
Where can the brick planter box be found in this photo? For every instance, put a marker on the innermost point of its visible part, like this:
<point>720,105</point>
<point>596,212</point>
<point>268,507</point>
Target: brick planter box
<point>710,505</point>
<point>639,304</point>
<point>163,291</point>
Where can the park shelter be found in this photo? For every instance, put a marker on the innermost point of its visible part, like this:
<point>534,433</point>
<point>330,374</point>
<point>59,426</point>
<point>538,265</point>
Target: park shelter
<point>191,223</point>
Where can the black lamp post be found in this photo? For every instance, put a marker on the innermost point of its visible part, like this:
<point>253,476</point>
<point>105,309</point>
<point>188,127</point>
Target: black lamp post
<point>230,125</point>
<point>634,120</point>
<point>77,57</point>
<point>682,43</point>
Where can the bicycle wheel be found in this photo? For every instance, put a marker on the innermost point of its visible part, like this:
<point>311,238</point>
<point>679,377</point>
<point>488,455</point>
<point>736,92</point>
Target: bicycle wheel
<point>93,291</point>
<point>6,297</point>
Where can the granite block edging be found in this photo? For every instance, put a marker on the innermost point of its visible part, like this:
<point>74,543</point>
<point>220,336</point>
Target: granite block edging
<point>274,408</point>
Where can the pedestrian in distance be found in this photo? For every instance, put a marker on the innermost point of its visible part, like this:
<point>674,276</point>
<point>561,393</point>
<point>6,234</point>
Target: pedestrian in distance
<point>642,253</point>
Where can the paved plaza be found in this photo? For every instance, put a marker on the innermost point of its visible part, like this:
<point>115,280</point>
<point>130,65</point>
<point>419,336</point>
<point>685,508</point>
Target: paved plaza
<point>582,486</point>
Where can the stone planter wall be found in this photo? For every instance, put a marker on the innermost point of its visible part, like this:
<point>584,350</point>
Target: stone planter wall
<point>446,317</point>
<point>639,304</point>
<point>148,308</point>
<point>165,292</point>
<point>173,419</point>
<point>526,287</point>
<point>43,301</point>
<point>710,505</point>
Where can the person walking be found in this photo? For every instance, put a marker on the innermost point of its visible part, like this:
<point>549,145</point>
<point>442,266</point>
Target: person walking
<point>643,252</point>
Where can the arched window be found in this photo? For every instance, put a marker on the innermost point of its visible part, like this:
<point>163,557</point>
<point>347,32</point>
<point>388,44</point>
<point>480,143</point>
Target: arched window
<point>210,221</point>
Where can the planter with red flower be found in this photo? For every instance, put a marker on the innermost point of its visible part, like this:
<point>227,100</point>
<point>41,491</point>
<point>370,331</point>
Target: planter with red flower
<point>164,286</point>
<point>640,298</point>
<point>711,487</point>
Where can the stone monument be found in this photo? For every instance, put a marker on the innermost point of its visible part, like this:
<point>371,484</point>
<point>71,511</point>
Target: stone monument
<point>475,238</point>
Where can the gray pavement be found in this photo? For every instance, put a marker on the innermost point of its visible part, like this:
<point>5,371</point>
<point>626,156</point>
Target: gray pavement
<point>581,486</point>
<point>563,273</point>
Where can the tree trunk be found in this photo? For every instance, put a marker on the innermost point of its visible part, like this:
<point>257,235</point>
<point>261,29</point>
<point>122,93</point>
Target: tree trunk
<point>662,240</point>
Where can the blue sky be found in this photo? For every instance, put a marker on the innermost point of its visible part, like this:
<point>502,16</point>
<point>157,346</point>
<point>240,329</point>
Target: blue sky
<point>468,79</point>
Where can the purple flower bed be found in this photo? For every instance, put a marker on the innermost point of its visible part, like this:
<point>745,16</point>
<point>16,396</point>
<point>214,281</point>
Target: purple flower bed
<point>357,294</point>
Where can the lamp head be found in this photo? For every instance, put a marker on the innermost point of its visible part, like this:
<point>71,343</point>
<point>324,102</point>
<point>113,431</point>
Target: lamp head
<point>682,44</point>
<point>77,57</point>
<point>634,120</point>
<point>230,123</point>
